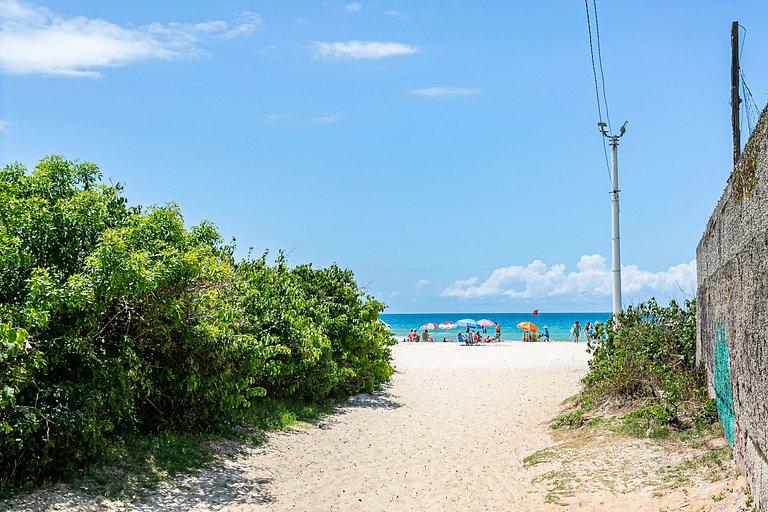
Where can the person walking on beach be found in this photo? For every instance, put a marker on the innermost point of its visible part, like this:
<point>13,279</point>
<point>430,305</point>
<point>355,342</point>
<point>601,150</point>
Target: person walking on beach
<point>498,332</point>
<point>587,331</point>
<point>575,329</point>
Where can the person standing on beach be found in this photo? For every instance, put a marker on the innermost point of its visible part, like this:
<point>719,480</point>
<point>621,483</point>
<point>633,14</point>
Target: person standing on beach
<point>575,330</point>
<point>587,331</point>
<point>498,332</point>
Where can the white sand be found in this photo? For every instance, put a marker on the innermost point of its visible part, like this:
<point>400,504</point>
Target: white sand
<point>450,433</point>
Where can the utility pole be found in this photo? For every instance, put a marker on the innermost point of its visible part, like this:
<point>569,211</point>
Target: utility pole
<point>735,100</point>
<point>615,246</point>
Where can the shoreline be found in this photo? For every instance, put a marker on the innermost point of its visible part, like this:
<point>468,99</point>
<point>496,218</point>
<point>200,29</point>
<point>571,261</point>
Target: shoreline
<point>502,342</point>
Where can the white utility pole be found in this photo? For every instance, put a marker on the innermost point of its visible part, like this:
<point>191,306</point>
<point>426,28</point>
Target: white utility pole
<point>615,246</point>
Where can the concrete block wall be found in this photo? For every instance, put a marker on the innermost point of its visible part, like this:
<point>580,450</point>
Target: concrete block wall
<point>732,310</point>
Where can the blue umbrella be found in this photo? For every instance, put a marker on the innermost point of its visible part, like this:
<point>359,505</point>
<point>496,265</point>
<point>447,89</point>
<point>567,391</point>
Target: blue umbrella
<point>468,322</point>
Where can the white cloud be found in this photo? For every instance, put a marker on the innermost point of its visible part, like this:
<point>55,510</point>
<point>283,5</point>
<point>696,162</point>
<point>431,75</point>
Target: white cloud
<point>445,92</point>
<point>3,126</point>
<point>422,283</point>
<point>34,40</point>
<point>362,49</point>
<point>294,120</point>
<point>270,51</point>
<point>334,117</point>
<point>354,7</point>
<point>591,279</point>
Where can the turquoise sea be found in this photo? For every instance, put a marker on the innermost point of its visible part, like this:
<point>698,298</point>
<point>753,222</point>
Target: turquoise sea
<point>559,324</point>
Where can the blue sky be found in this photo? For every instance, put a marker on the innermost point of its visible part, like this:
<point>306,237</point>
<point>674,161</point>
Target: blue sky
<point>445,151</point>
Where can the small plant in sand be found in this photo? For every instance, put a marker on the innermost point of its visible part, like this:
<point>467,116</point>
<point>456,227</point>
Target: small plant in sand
<point>643,366</point>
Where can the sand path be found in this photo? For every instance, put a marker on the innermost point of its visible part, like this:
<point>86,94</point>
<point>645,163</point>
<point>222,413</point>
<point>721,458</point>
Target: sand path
<point>449,433</point>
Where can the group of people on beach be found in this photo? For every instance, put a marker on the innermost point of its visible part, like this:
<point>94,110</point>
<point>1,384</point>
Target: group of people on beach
<point>470,338</point>
<point>413,335</point>
<point>475,338</point>
<point>591,332</point>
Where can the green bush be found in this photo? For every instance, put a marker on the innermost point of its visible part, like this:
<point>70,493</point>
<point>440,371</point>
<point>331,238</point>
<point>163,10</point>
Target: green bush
<point>645,358</point>
<point>124,320</point>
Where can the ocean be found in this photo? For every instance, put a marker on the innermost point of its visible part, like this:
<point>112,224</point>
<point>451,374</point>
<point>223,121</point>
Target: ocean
<point>559,324</point>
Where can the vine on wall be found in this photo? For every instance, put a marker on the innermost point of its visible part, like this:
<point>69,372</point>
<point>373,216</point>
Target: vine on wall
<point>744,173</point>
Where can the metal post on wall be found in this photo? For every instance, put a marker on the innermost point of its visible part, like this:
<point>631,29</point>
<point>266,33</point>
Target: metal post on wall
<point>735,99</point>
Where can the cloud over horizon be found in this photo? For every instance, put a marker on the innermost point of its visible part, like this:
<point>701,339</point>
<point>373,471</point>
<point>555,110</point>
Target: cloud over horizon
<point>34,40</point>
<point>591,279</point>
<point>362,49</point>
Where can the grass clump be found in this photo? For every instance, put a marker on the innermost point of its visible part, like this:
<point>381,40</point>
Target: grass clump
<point>539,457</point>
<point>560,484</point>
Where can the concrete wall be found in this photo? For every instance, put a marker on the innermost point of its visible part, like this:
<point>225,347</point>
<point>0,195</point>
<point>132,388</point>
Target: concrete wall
<point>732,310</point>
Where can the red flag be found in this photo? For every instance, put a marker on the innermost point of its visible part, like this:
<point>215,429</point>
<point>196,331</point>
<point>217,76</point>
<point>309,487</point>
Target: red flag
<point>535,311</point>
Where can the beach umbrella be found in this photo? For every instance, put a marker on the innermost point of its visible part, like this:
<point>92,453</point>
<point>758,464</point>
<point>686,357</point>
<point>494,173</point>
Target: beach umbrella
<point>486,323</point>
<point>447,325</point>
<point>528,326</point>
<point>428,327</point>
<point>468,322</point>
<point>385,324</point>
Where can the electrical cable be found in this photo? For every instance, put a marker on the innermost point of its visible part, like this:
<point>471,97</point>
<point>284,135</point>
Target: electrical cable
<point>592,56</point>
<point>751,112</point>
<point>743,106</point>
<point>597,90</point>
<point>600,61</point>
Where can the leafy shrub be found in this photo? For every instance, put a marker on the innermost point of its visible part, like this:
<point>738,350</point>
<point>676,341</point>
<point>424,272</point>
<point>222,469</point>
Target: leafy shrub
<point>128,321</point>
<point>645,358</point>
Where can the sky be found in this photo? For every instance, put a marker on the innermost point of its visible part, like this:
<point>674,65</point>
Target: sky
<point>447,152</point>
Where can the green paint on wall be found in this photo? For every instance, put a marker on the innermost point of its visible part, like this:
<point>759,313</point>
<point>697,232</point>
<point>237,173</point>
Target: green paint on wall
<point>722,382</point>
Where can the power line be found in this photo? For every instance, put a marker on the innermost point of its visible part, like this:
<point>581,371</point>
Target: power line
<point>750,107</point>
<point>592,56</point>
<point>600,61</point>
<point>752,113</point>
<point>597,88</point>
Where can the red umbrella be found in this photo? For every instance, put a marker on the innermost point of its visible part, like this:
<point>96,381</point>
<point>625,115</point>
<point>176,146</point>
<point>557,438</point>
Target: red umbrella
<point>428,327</point>
<point>447,325</point>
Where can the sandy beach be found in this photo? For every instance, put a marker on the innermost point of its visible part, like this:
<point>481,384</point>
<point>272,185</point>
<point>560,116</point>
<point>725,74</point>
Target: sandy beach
<point>449,433</point>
